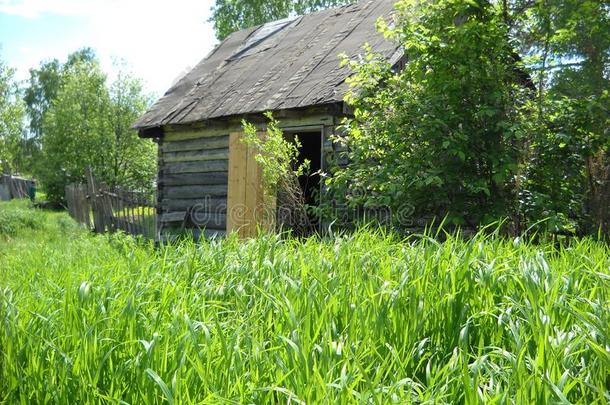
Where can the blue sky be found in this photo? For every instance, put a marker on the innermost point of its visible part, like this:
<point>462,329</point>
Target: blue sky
<point>157,40</point>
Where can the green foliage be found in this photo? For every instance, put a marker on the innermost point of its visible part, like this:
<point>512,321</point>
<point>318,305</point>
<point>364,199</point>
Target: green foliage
<point>276,155</point>
<point>567,43</point>
<point>88,124</point>
<point>76,131</point>
<point>229,16</point>
<point>442,134</point>
<point>365,318</point>
<point>41,89</point>
<point>16,216</point>
<point>11,120</point>
<point>44,84</point>
<point>134,159</point>
<point>555,179</point>
<point>462,132</point>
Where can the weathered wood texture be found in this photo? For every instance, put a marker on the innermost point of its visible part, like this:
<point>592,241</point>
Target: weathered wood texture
<point>205,143</point>
<point>182,204</point>
<point>196,155</point>
<point>15,187</point>
<point>207,219</point>
<point>209,179</point>
<point>193,181</point>
<point>5,192</point>
<point>238,166</point>
<point>190,132</point>
<point>255,198</point>
<point>293,66</point>
<point>196,191</point>
<point>78,204</point>
<point>245,203</point>
<point>196,167</point>
<point>110,209</point>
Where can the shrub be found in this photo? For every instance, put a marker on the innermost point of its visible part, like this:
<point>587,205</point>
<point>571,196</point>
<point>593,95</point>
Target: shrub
<point>15,216</point>
<point>442,134</point>
<point>278,160</point>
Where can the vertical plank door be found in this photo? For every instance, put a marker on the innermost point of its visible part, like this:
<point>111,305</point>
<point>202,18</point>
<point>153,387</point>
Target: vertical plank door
<point>245,199</point>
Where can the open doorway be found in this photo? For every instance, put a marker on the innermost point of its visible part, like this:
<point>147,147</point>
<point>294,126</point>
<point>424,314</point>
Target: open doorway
<point>309,182</point>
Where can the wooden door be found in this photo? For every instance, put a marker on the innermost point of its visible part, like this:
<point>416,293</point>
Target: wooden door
<point>245,200</point>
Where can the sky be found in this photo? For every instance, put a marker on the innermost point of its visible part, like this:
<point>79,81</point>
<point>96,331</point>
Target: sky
<point>156,40</point>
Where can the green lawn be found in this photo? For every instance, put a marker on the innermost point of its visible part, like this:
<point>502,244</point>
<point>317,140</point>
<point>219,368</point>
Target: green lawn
<point>365,318</point>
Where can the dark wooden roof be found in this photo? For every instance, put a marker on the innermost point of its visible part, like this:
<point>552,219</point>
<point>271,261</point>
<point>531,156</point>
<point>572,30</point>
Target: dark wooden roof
<point>277,66</point>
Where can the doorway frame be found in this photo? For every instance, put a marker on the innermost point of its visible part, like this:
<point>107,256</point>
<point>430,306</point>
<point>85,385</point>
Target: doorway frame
<point>245,197</point>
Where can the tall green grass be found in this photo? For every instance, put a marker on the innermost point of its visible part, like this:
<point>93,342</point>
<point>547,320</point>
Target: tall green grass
<point>364,318</point>
<point>16,216</point>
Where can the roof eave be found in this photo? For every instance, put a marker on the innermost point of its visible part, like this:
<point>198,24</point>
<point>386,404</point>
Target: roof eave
<point>149,132</point>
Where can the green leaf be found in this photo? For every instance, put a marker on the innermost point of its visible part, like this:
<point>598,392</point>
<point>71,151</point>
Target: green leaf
<point>159,381</point>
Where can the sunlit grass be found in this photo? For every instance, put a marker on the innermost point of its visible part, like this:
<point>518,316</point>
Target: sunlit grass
<point>139,211</point>
<point>365,318</point>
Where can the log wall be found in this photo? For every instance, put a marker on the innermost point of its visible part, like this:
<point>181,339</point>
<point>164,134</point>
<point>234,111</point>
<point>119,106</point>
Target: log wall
<point>194,171</point>
<point>192,181</point>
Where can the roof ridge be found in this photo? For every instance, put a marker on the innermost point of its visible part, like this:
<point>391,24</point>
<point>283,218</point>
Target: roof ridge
<point>282,64</point>
<point>333,43</point>
<point>285,65</point>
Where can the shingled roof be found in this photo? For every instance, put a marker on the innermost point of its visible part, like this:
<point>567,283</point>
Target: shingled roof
<point>282,65</point>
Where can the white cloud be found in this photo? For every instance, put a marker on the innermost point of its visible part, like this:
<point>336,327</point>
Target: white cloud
<point>157,39</point>
<point>37,8</point>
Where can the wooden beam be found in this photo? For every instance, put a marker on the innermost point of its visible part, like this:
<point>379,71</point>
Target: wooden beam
<point>196,167</point>
<point>200,178</point>
<point>237,183</point>
<point>202,219</point>
<point>214,142</point>
<point>254,198</point>
<point>197,155</point>
<point>218,205</point>
<point>188,134</point>
<point>195,192</point>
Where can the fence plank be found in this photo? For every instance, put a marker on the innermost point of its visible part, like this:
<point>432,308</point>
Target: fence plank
<point>112,208</point>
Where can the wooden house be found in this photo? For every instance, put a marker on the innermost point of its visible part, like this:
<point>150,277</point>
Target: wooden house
<point>207,177</point>
<point>12,187</point>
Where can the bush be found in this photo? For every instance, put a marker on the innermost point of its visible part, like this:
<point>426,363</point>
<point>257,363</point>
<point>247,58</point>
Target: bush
<point>278,159</point>
<point>15,216</point>
<point>441,135</point>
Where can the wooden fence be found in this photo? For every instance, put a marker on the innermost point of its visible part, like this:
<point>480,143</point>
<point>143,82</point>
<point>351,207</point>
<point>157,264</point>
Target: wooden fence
<point>110,209</point>
<point>12,187</point>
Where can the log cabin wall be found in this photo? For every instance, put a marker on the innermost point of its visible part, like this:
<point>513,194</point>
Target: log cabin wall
<point>193,176</point>
<point>289,67</point>
<point>193,173</point>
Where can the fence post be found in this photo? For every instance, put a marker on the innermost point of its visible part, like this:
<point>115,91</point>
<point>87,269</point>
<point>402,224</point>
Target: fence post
<point>85,205</point>
<point>117,209</point>
<point>92,190</point>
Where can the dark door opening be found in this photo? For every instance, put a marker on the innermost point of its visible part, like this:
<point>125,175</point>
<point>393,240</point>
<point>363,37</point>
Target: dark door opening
<point>310,150</point>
